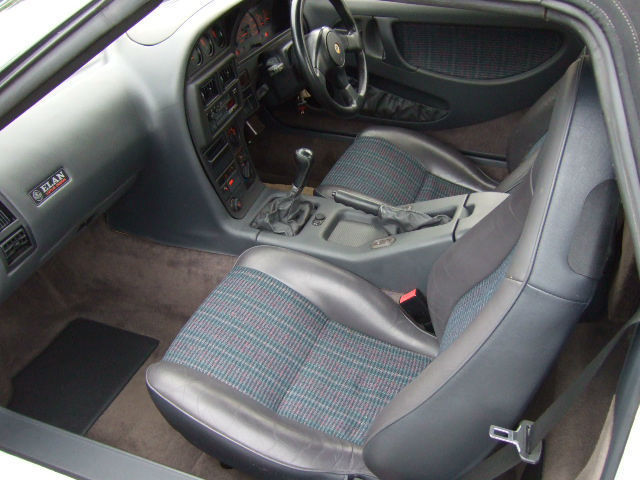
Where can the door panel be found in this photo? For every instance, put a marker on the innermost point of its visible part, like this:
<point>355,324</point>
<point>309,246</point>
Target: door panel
<point>458,67</point>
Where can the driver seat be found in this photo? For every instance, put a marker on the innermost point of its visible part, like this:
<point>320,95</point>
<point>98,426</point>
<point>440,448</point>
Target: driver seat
<point>397,166</point>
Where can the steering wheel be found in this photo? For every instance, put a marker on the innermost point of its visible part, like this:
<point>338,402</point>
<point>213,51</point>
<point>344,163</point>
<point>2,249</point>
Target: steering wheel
<point>321,55</point>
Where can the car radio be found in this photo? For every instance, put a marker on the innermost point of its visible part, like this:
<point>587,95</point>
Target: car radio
<point>223,108</point>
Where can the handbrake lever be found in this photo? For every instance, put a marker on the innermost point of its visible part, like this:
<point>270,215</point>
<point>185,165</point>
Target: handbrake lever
<point>363,204</point>
<point>404,218</point>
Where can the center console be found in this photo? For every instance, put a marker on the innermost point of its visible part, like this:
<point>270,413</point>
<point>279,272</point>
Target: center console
<point>214,101</point>
<point>361,243</point>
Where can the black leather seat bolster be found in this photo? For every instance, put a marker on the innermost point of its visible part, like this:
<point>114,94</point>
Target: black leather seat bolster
<point>227,424</point>
<point>436,157</point>
<point>342,296</point>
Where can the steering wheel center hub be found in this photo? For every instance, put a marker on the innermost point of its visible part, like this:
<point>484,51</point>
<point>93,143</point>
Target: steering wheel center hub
<point>336,49</point>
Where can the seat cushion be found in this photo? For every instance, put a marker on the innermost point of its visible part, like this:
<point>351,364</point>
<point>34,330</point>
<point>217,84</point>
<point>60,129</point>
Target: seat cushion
<point>399,167</point>
<point>264,339</point>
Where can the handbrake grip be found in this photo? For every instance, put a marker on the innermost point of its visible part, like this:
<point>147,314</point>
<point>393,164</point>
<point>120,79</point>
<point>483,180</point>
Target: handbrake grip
<point>355,201</point>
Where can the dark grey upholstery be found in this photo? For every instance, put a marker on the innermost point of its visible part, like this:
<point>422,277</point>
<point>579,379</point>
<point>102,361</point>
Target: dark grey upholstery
<point>489,374</point>
<point>438,163</point>
<point>550,237</point>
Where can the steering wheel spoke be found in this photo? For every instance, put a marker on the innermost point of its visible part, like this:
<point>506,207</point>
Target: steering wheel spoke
<point>344,90</point>
<point>351,40</point>
<point>317,56</point>
<point>349,95</point>
<point>322,78</point>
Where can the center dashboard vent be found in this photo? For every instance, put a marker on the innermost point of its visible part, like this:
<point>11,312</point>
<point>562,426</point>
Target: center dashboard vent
<point>208,91</point>
<point>6,217</point>
<point>227,74</point>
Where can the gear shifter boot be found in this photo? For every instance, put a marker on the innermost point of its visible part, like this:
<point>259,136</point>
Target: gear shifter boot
<point>287,215</point>
<point>283,215</point>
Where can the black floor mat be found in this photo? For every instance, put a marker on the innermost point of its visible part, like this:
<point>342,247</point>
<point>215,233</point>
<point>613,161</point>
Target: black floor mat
<point>79,374</point>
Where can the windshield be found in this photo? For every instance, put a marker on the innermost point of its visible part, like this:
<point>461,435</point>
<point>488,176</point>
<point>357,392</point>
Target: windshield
<point>25,22</point>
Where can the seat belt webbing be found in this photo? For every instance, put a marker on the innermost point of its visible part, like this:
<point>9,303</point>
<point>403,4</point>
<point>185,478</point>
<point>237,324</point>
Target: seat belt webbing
<point>519,451</point>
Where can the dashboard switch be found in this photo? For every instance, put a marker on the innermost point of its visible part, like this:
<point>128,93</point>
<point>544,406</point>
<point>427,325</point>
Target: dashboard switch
<point>247,171</point>
<point>235,204</point>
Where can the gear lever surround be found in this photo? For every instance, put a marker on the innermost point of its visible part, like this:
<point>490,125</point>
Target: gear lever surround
<point>287,215</point>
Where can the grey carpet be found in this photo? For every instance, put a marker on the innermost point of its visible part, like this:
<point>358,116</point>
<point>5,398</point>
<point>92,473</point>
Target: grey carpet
<point>273,155</point>
<point>128,283</point>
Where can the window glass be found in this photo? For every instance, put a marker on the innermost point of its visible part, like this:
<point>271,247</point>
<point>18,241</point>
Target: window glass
<point>23,23</point>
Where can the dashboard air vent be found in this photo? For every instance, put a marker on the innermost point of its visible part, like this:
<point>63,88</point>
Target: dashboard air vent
<point>208,91</point>
<point>227,74</point>
<point>6,217</point>
<point>15,245</point>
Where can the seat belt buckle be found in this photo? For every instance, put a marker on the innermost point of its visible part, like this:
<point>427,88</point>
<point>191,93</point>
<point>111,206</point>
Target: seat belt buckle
<point>414,304</point>
<point>520,439</point>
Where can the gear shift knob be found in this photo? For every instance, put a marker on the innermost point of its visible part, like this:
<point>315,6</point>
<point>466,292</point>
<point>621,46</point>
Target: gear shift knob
<point>304,161</point>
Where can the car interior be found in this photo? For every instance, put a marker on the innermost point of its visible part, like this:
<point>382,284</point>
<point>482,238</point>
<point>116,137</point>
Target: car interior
<point>328,239</point>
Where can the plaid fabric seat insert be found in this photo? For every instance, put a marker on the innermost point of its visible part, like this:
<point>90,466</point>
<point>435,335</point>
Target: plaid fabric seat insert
<point>264,339</point>
<point>377,168</point>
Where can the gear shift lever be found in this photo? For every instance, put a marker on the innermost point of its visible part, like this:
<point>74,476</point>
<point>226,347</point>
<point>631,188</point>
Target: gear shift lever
<point>304,161</point>
<point>287,215</point>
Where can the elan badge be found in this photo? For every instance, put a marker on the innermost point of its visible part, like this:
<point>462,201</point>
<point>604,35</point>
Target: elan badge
<point>51,185</point>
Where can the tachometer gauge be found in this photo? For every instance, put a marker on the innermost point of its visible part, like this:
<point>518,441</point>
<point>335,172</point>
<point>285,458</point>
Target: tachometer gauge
<point>248,34</point>
<point>247,29</point>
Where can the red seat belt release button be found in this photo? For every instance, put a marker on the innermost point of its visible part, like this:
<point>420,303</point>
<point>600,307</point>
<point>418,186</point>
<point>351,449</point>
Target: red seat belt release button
<point>414,304</point>
<point>409,295</point>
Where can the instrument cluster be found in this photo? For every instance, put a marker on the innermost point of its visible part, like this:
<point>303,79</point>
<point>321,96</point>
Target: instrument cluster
<point>258,25</point>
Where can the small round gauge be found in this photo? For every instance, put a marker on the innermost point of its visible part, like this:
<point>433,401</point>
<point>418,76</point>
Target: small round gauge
<point>196,57</point>
<point>217,34</point>
<point>206,45</point>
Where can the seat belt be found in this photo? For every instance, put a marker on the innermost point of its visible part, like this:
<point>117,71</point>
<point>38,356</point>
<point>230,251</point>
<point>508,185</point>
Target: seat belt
<point>525,443</point>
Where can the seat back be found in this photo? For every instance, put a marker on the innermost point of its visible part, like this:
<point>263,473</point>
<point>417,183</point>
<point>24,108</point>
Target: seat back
<point>505,297</point>
<point>527,138</point>
<point>532,126</point>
